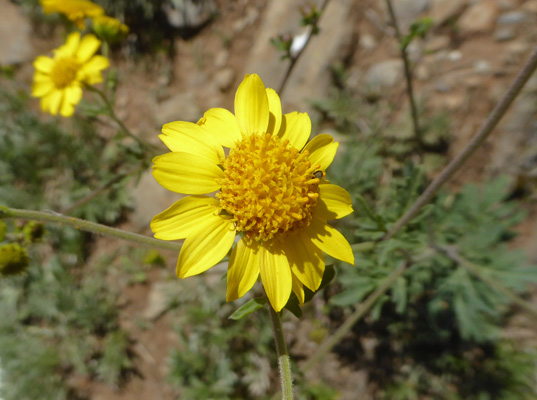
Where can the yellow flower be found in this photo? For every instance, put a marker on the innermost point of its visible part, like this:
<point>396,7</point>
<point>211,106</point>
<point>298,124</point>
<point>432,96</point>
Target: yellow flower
<point>109,29</point>
<point>271,192</point>
<point>74,10</point>
<point>59,80</point>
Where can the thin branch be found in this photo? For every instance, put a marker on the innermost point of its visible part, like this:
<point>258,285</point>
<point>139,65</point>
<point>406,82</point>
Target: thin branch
<point>297,56</point>
<point>485,130</point>
<point>361,311</point>
<point>408,72</point>
<point>77,223</point>
<point>476,270</point>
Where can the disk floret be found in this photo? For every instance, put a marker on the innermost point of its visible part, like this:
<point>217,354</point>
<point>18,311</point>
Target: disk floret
<point>268,187</point>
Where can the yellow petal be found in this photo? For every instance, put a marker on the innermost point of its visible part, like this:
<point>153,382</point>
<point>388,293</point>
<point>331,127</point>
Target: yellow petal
<point>41,88</point>
<point>298,289</point>
<point>205,246</point>
<point>87,48</point>
<point>296,127</point>
<point>275,111</point>
<point>222,126</point>
<point>70,47</point>
<point>329,240</point>
<point>177,221</point>
<point>243,269</point>
<point>276,275</point>
<point>90,72</point>
<point>51,102</point>
<point>306,259</point>
<point>43,64</point>
<point>322,150</point>
<point>334,202</point>
<point>186,137</point>
<point>251,105</point>
<point>187,173</point>
<point>71,98</point>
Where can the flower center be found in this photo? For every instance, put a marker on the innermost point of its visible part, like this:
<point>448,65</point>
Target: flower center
<point>268,187</point>
<point>64,72</point>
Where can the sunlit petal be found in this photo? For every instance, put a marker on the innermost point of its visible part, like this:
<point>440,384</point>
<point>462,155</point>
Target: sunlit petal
<point>243,269</point>
<point>187,173</point>
<point>275,111</point>
<point>334,202</point>
<point>177,221</point>
<point>322,150</point>
<point>296,127</point>
<point>205,246</point>
<point>276,276</point>
<point>186,137</point>
<point>88,46</point>
<point>306,259</point>
<point>329,240</point>
<point>222,126</point>
<point>251,106</point>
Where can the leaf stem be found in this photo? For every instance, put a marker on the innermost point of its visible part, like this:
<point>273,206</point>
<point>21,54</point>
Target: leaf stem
<point>77,223</point>
<point>284,361</point>
<point>485,130</point>
<point>408,73</point>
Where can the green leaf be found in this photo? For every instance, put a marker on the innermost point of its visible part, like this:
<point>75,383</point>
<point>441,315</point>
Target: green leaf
<point>294,306</point>
<point>246,309</point>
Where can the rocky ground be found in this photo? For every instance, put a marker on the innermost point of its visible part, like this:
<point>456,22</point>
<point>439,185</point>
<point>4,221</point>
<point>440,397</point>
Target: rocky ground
<point>462,67</point>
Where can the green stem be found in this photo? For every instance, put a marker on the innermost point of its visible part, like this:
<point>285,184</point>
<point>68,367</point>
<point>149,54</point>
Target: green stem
<point>77,223</point>
<point>284,361</point>
<point>112,114</point>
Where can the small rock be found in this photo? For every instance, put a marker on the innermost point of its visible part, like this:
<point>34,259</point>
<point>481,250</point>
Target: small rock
<point>221,58</point>
<point>157,301</point>
<point>454,101</point>
<point>444,10</point>
<point>515,53</point>
<point>506,4</point>
<point>189,13</point>
<point>437,43</point>
<point>473,81</point>
<point>482,66</point>
<point>15,31</point>
<point>367,41</point>
<point>512,17</point>
<point>181,107</point>
<point>407,11</point>
<point>422,72</point>
<point>504,34</point>
<point>384,74</point>
<point>251,16</point>
<point>224,78</point>
<point>454,56</point>
<point>479,18</point>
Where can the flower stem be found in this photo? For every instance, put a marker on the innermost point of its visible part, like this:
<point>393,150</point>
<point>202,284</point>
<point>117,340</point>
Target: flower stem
<point>77,223</point>
<point>284,361</point>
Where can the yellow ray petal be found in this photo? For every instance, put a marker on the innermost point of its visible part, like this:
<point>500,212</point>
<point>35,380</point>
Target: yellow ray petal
<point>187,173</point>
<point>43,64</point>
<point>177,221</point>
<point>222,126</point>
<point>322,150</point>
<point>205,246</point>
<point>90,72</point>
<point>296,127</point>
<point>329,240</point>
<point>306,259</point>
<point>52,101</point>
<point>251,105</point>
<point>70,47</point>
<point>41,88</point>
<point>298,289</point>
<point>275,111</point>
<point>243,269</point>
<point>71,98</point>
<point>88,46</point>
<point>334,202</point>
<point>276,276</point>
<point>186,137</point>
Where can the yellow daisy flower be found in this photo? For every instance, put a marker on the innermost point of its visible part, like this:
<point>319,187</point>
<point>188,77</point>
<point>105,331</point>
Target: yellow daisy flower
<point>74,10</point>
<point>59,80</point>
<point>271,191</point>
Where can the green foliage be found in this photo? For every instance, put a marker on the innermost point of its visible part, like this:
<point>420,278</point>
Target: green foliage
<point>220,358</point>
<point>418,29</point>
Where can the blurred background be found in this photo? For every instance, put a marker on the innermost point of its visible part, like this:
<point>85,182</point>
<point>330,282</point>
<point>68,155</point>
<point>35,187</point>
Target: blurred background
<point>96,318</point>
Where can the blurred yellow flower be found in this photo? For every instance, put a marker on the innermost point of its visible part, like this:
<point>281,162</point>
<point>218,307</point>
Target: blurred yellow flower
<point>74,10</point>
<point>272,192</point>
<point>109,29</point>
<point>59,80</point>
